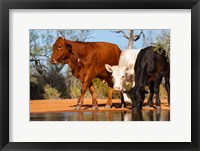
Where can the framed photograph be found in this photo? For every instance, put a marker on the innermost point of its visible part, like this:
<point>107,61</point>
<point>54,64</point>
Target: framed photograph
<point>100,75</point>
<point>55,87</point>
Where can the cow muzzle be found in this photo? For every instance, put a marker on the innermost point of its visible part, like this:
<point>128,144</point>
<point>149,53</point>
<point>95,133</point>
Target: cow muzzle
<point>118,89</point>
<point>53,61</point>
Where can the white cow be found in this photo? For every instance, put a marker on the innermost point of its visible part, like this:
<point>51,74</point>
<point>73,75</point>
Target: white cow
<point>123,73</point>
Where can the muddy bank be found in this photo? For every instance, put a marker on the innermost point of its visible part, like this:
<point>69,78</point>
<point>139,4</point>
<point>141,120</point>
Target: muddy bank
<point>68,105</point>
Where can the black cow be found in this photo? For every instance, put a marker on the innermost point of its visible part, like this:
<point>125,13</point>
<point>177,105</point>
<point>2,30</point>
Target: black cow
<point>150,67</point>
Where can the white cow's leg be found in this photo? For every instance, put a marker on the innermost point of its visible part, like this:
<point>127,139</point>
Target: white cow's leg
<point>133,84</point>
<point>126,98</point>
<point>127,116</point>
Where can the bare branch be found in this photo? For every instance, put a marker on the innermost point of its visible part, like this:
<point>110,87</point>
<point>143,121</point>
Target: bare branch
<point>138,36</point>
<point>120,31</point>
<point>61,33</point>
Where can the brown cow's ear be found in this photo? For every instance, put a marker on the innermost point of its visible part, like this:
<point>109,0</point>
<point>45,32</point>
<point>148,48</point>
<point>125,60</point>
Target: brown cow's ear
<point>69,47</point>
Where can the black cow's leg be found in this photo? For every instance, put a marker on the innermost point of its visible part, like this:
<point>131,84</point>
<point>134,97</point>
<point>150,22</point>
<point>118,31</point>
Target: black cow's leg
<point>156,90</point>
<point>123,103</point>
<point>150,100</point>
<point>80,100</point>
<point>167,86</point>
<point>133,99</point>
<point>94,100</point>
<point>134,102</point>
<point>138,105</point>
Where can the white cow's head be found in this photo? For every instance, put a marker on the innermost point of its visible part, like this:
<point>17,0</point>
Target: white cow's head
<point>120,75</point>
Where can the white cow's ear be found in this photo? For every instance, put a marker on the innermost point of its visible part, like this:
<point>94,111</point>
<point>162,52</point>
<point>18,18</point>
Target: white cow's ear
<point>108,67</point>
<point>129,68</point>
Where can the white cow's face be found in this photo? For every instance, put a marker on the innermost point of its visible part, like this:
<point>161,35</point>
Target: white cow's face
<point>119,76</point>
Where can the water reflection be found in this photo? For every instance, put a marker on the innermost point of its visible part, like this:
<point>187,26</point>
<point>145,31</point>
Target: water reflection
<point>146,115</point>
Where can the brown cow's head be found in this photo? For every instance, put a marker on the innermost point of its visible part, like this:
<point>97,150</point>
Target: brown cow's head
<point>61,51</point>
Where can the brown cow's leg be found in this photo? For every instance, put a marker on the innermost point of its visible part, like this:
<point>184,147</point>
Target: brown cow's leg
<point>110,91</point>
<point>80,100</point>
<point>94,100</point>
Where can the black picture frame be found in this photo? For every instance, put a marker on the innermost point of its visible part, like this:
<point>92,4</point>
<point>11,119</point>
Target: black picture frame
<point>5,5</point>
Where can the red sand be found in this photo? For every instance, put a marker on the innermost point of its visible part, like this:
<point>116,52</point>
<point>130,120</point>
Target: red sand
<point>66,105</point>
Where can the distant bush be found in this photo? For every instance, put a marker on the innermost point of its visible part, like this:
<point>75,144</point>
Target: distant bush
<point>162,93</point>
<point>36,89</point>
<point>52,85</point>
<point>58,82</point>
<point>101,89</point>
<point>55,81</point>
<point>50,93</point>
<point>163,43</point>
<point>75,91</point>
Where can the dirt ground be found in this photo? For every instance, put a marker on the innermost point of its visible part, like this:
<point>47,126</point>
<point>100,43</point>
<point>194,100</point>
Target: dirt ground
<point>66,105</point>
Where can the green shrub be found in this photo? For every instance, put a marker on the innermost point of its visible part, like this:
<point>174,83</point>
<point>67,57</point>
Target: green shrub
<point>57,81</point>
<point>50,93</point>
<point>163,43</point>
<point>101,90</point>
<point>75,91</point>
<point>36,89</point>
<point>162,93</point>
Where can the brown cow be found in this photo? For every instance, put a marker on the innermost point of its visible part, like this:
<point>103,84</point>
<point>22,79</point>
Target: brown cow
<point>87,61</point>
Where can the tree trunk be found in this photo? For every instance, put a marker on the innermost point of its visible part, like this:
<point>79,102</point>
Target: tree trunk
<point>131,40</point>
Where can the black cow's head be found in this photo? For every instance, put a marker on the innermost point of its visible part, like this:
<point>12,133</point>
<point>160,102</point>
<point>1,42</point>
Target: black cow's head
<point>137,96</point>
<point>136,93</point>
<point>61,51</point>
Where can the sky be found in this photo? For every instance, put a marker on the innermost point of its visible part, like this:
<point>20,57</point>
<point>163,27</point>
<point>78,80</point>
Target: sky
<point>117,38</point>
<point>111,36</point>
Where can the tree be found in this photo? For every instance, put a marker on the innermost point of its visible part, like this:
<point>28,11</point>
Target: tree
<point>163,41</point>
<point>160,40</point>
<point>131,37</point>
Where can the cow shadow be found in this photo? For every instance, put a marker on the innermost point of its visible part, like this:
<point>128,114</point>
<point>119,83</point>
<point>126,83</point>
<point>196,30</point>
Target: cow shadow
<point>114,105</point>
<point>86,106</point>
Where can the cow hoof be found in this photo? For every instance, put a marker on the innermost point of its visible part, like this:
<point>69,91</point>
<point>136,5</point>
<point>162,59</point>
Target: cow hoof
<point>158,107</point>
<point>123,106</point>
<point>135,109</point>
<point>95,108</point>
<point>77,108</point>
<point>108,106</point>
<point>147,106</point>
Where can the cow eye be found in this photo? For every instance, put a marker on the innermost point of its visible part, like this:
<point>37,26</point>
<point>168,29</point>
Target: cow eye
<point>59,46</point>
<point>123,77</point>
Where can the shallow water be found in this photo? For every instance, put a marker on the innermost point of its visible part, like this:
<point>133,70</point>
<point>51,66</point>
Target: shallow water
<point>145,115</point>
